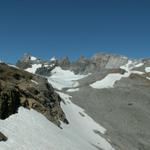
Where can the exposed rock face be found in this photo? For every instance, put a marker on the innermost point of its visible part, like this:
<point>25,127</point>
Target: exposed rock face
<point>46,66</point>
<point>44,71</point>
<point>20,88</point>
<point>97,63</point>
<point>80,66</point>
<point>24,62</point>
<point>9,101</point>
<point>64,62</point>
<point>2,137</point>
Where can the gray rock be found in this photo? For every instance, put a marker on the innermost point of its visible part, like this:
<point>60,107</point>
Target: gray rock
<point>124,110</point>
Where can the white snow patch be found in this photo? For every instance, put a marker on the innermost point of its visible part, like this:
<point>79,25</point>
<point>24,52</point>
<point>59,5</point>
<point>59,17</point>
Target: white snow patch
<point>64,78</point>
<point>53,59</point>
<point>129,66</point>
<point>148,78</point>
<point>52,65</point>
<point>147,69</point>
<point>34,82</point>
<point>110,80</point>
<point>73,90</point>
<point>33,68</point>
<point>45,65</point>
<point>33,58</point>
<point>13,66</point>
<point>82,126</point>
<point>137,72</point>
<point>139,65</point>
<point>107,82</point>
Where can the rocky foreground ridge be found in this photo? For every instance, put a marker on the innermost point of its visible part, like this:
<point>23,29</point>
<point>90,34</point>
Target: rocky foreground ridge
<point>20,88</point>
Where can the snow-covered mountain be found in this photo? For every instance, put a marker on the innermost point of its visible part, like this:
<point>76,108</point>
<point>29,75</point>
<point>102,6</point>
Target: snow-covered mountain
<point>105,100</point>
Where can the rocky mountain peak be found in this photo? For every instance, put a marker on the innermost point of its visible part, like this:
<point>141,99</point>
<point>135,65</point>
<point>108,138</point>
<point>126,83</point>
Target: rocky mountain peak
<point>64,62</point>
<point>82,65</point>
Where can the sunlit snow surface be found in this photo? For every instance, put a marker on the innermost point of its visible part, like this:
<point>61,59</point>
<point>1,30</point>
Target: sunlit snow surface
<point>110,79</point>
<point>33,58</point>
<point>147,69</point>
<point>33,68</point>
<point>53,59</point>
<point>29,130</point>
<point>148,78</point>
<point>73,90</point>
<point>64,78</point>
<point>33,81</point>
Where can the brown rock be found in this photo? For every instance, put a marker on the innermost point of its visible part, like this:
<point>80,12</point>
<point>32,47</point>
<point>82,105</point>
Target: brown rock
<point>17,89</point>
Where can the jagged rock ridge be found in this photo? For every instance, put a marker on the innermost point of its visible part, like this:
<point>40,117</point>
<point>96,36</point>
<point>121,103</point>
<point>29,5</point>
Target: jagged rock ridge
<point>20,88</point>
<point>82,65</point>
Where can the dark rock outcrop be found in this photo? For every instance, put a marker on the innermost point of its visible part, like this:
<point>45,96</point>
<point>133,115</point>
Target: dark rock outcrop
<point>2,137</point>
<point>20,88</point>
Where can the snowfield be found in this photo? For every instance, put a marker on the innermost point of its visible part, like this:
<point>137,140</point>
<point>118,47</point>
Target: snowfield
<point>53,59</point>
<point>148,78</point>
<point>30,130</point>
<point>147,69</point>
<point>110,80</point>
<point>34,68</point>
<point>73,90</point>
<point>107,82</point>
<point>33,58</point>
<point>64,78</point>
<point>33,81</point>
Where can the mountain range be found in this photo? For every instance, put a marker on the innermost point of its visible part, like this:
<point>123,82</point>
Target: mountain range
<point>97,103</point>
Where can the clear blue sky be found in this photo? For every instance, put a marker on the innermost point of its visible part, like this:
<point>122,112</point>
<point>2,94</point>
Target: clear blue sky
<point>74,27</point>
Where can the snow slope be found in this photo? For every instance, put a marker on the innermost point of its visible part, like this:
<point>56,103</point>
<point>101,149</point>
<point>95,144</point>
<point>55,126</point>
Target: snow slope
<point>53,59</point>
<point>64,78</point>
<point>110,79</point>
<point>82,126</point>
<point>147,69</point>
<point>73,90</point>
<point>33,58</point>
<point>107,82</point>
<point>34,68</point>
<point>29,130</point>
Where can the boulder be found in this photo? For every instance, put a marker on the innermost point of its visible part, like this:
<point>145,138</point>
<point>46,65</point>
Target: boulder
<point>2,137</point>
